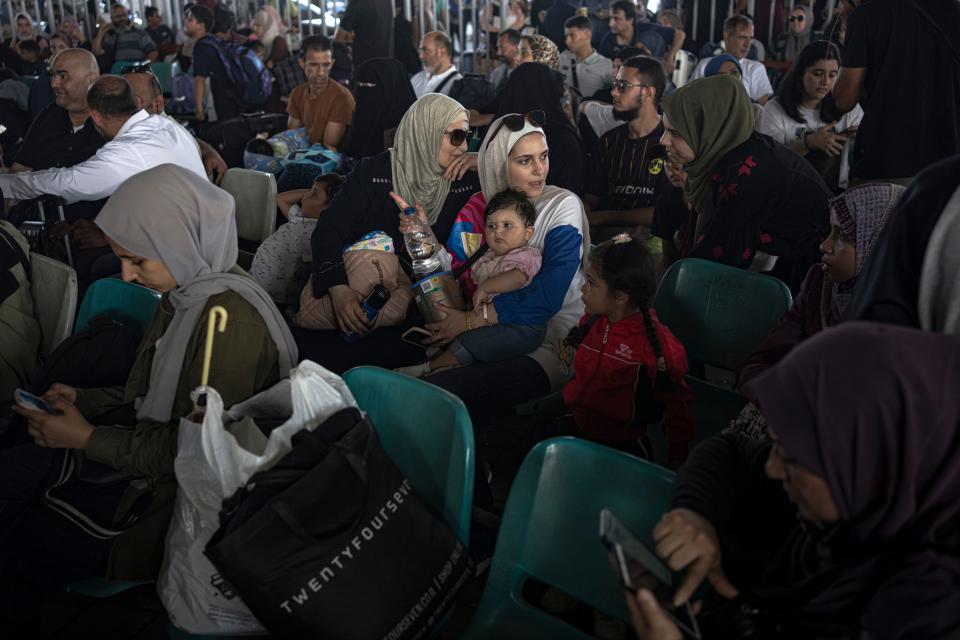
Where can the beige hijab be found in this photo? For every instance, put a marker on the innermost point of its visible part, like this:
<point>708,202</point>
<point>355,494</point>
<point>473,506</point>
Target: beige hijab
<point>417,176</point>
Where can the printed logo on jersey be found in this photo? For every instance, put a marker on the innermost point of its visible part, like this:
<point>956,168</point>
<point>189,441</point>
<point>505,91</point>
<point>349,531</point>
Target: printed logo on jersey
<point>623,351</point>
<point>655,166</point>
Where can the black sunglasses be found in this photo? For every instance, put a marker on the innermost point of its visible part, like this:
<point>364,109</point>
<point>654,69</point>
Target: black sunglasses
<point>139,67</point>
<point>796,18</point>
<point>458,136</point>
<point>514,121</point>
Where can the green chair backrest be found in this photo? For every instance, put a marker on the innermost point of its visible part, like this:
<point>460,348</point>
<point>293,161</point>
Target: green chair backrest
<point>428,434</point>
<point>120,64</point>
<point>721,314</point>
<point>550,533</point>
<point>165,72</point>
<point>119,300</point>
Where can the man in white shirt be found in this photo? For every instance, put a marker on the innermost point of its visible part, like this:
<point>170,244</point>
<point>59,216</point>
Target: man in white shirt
<point>439,73</point>
<point>737,38</point>
<point>136,141</point>
<point>585,70</point>
<point>149,96</point>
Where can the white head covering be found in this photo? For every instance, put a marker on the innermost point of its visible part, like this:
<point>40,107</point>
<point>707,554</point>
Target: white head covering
<point>173,215</point>
<point>494,152</point>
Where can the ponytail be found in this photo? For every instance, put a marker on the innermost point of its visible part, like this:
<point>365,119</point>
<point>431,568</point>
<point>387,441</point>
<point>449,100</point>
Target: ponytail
<point>662,382</point>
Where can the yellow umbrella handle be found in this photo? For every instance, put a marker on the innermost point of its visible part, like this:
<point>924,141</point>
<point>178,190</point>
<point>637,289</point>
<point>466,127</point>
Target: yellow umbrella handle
<point>215,312</point>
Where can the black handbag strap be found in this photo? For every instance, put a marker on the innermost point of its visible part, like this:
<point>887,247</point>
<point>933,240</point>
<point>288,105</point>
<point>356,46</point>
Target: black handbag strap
<point>470,261</point>
<point>17,250</point>
<point>445,82</point>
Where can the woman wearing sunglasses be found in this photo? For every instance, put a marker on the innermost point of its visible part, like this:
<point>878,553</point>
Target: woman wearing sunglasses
<point>428,165</point>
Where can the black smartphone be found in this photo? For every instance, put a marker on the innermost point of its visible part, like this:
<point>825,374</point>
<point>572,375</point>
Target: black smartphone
<point>417,336</point>
<point>639,568</point>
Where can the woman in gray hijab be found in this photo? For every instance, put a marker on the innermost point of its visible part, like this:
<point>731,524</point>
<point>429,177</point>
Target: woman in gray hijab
<point>174,232</point>
<point>797,36</point>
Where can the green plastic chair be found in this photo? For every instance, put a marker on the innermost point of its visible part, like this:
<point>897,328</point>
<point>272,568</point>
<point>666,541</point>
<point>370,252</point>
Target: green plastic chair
<point>721,314</point>
<point>119,300</point>
<point>428,434</point>
<point>165,72</point>
<point>124,302</point>
<point>550,532</point>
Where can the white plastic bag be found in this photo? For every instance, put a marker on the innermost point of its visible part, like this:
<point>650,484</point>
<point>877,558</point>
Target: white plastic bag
<point>213,461</point>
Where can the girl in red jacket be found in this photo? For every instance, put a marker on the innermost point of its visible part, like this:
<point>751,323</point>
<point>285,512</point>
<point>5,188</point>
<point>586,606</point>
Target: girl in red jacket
<point>628,369</point>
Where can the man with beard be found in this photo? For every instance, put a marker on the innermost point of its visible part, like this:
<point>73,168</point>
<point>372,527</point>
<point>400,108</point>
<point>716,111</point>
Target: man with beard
<point>508,52</point>
<point>117,40</point>
<point>629,167</point>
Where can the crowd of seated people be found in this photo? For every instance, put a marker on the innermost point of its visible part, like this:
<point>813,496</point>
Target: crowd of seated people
<point>551,213</point>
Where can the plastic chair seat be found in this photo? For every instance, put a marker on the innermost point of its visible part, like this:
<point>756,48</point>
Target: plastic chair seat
<point>120,301</point>
<point>255,194</point>
<point>103,588</point>
<point>549,533</point>
<point>53,286</point>
<point>427,432</point>
<point>721,314</point>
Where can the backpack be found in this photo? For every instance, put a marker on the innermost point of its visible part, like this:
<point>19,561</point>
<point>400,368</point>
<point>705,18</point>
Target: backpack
<point>99,356</point>
<point>473,91</point>
<point>182,98</point>
<point>245,71</point>
<point>259,82</point>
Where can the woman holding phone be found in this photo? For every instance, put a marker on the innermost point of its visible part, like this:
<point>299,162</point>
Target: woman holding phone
<point>846,525</point>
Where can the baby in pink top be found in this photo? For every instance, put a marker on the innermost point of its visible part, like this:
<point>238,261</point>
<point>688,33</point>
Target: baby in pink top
<point>507,265</point>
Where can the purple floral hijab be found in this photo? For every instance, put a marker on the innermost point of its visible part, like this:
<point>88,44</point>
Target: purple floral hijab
<point>861,211</point>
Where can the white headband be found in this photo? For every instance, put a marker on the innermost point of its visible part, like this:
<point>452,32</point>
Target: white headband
<point>516,135</point>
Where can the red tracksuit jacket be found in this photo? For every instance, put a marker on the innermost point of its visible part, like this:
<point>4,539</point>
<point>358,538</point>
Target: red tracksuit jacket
<point>607,370</point>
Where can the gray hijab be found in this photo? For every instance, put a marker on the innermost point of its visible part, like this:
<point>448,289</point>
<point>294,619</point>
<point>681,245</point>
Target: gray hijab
<point>417,176</point>
<point>170,214</point>
<point>797,41</point>
<point>494,152</point>
<point>939,297</point>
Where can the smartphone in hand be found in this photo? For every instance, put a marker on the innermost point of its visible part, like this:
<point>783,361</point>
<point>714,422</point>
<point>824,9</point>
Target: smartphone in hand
<point>639,568</point>
<point>29,401</point>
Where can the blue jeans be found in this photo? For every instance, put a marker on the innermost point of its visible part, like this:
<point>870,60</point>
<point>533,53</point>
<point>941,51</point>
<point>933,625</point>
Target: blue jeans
<point>497,342</point>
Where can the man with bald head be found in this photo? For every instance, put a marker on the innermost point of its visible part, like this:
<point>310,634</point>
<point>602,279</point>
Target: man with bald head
<point>137,141</point>
<point>149,96</point>
<point>62,135</point>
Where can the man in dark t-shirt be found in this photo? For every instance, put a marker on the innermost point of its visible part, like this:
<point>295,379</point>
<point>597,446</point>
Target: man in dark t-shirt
<point>367,25</point>
<point>630,167</point>
<point>208,64</point>
<point>901,62</point>
<point>63,135</point>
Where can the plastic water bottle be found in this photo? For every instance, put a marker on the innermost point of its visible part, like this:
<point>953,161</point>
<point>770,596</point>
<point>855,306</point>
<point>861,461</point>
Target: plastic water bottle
<point>421,246</point>
<point>371,305</point>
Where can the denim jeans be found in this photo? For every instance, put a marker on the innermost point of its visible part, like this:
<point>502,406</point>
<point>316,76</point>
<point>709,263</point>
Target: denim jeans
<point>497,342</point>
